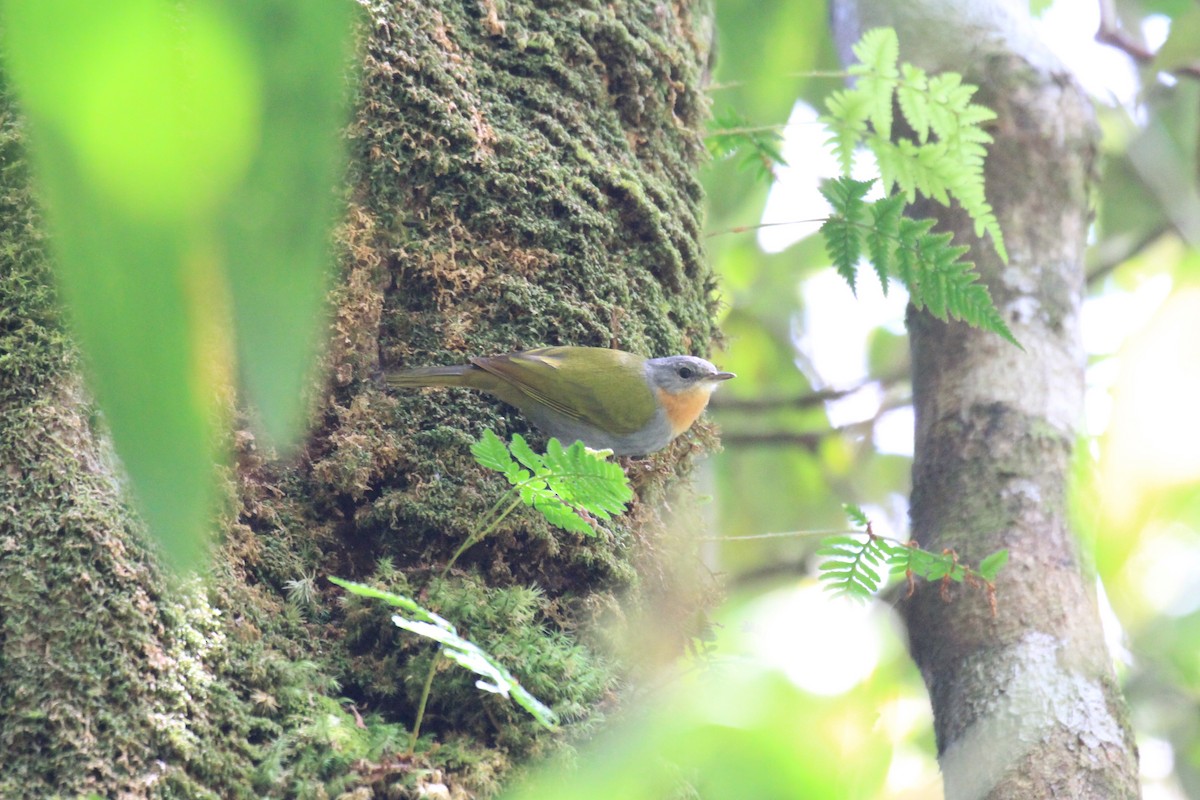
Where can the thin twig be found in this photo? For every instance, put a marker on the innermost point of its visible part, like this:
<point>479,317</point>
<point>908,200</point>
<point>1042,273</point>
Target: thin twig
<point>801,401</point>
<point>1111,33</point>
<point>780,535</point>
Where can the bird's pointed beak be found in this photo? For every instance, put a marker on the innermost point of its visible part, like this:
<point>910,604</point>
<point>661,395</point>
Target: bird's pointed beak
<point>723,376</point>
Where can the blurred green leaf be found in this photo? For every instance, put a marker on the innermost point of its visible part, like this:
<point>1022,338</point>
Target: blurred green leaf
<point>157,106</point>
<point>735,733</point>
<point>1182,47</point>
<point>277,223</point>
<point>991,565</point>
<point>186,155</point>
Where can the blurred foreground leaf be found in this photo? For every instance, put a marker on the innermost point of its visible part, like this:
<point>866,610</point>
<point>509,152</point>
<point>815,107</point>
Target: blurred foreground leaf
<point>734,732</point>
<point>186,154</point>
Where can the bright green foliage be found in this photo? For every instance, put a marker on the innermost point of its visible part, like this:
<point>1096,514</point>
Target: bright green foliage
<point>851,564</point>
<point>990,566</point>
<point>171,143</point>
<point>561,483</point>
<point>732,134</point>
<point>729,731</point>
<point>843,229</point>
<point>933,269</point>
<point>855,565</point>
<point>943,162</point>
<point>463,652</point>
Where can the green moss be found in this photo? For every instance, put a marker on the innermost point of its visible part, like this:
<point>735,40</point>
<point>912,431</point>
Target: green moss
<point>512,185</point>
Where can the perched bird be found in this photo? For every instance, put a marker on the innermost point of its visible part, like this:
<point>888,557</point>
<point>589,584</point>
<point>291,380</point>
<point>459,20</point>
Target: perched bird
<point>607,399</point>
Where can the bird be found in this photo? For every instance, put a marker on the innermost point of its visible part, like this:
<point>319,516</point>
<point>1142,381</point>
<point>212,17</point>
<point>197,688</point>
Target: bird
<point>608,399</point>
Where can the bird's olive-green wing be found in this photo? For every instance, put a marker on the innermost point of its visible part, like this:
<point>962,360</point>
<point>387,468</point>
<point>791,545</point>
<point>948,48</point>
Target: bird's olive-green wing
<point>602,387</point>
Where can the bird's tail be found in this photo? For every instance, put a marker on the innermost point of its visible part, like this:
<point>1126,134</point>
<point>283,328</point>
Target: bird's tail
<point>426,376</point>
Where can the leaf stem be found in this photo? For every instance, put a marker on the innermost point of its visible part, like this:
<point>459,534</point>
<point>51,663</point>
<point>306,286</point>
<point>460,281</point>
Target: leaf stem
<point>416,732</point>
<point>480,536</point>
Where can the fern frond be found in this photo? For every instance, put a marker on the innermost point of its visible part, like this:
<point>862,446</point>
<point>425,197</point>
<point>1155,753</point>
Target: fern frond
<point>525,454</point>
<point>878,53</point>
<point>944,159</point>
<point>843,230</point>
<point>857,515</point>
<point>463,652</point>
<point>850,565</point>
<point>759,147</point>
<point>490,452</point>
<point>561,483</point>
<point>583,480</point>
<point>882,238</point>
<point>939,280</point>
<point>855,565</point>
<point>912,94</point>
<point>849,111</point>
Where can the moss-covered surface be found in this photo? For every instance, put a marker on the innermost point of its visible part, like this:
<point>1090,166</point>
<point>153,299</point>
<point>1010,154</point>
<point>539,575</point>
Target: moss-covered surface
<point>522,174</point>
<point>110,680</point>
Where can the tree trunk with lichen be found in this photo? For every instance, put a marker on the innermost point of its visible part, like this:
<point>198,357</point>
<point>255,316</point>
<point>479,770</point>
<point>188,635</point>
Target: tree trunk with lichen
<point>522,175</point>
<point>1026,704</point>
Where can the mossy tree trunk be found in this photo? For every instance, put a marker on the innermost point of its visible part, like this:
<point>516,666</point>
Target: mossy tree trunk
<point>522,174</point>
<point>1025,701</point>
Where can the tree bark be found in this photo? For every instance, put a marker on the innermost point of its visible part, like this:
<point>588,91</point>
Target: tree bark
<point>522,174</point>
<point>1026,703</point>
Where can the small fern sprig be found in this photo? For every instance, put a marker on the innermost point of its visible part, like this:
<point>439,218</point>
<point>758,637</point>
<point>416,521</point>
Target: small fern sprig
<point>945,159</point>
<point>942,159</point>
<point>855,565</point>
<point>495,677</point>
<point>561,484</point>
<point>927,263</point>
<point>755,147</point>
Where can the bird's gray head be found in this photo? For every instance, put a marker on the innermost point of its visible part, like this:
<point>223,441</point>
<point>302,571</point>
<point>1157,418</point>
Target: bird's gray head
<point>681,374</point>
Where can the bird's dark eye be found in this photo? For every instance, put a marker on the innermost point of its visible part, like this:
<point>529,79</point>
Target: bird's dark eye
<point>686,372</point>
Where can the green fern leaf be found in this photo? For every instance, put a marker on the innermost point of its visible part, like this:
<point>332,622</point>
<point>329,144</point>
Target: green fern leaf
<point>850,566</point>
<point>881,239</point>
<point>525,454</point>
<point>842,230</point>
<point>878,51</point>
<point>845,196</point>
<point>849,111</point>
<point>857,515</point>
<point>990,566</point>
<point>843,243</point>
<point>973,305</point>
<point>560,514</point>
<point>908,255</point>
<point>912,96</point>
<point>587,481</point>
<point>491,453</point>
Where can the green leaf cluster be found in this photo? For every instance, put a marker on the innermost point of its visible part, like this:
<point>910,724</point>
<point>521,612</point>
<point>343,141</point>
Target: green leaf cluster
<point>754,148</point>
<point>941,158</point>
<point>172,142</point>
<point>495,677</point>
<point>856,564</point>
<point>852,564</point>
<point>560,484</point>
<point>927,263</point>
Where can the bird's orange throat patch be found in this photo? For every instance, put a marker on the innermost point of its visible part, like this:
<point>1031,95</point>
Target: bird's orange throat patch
<point>685,407</point>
